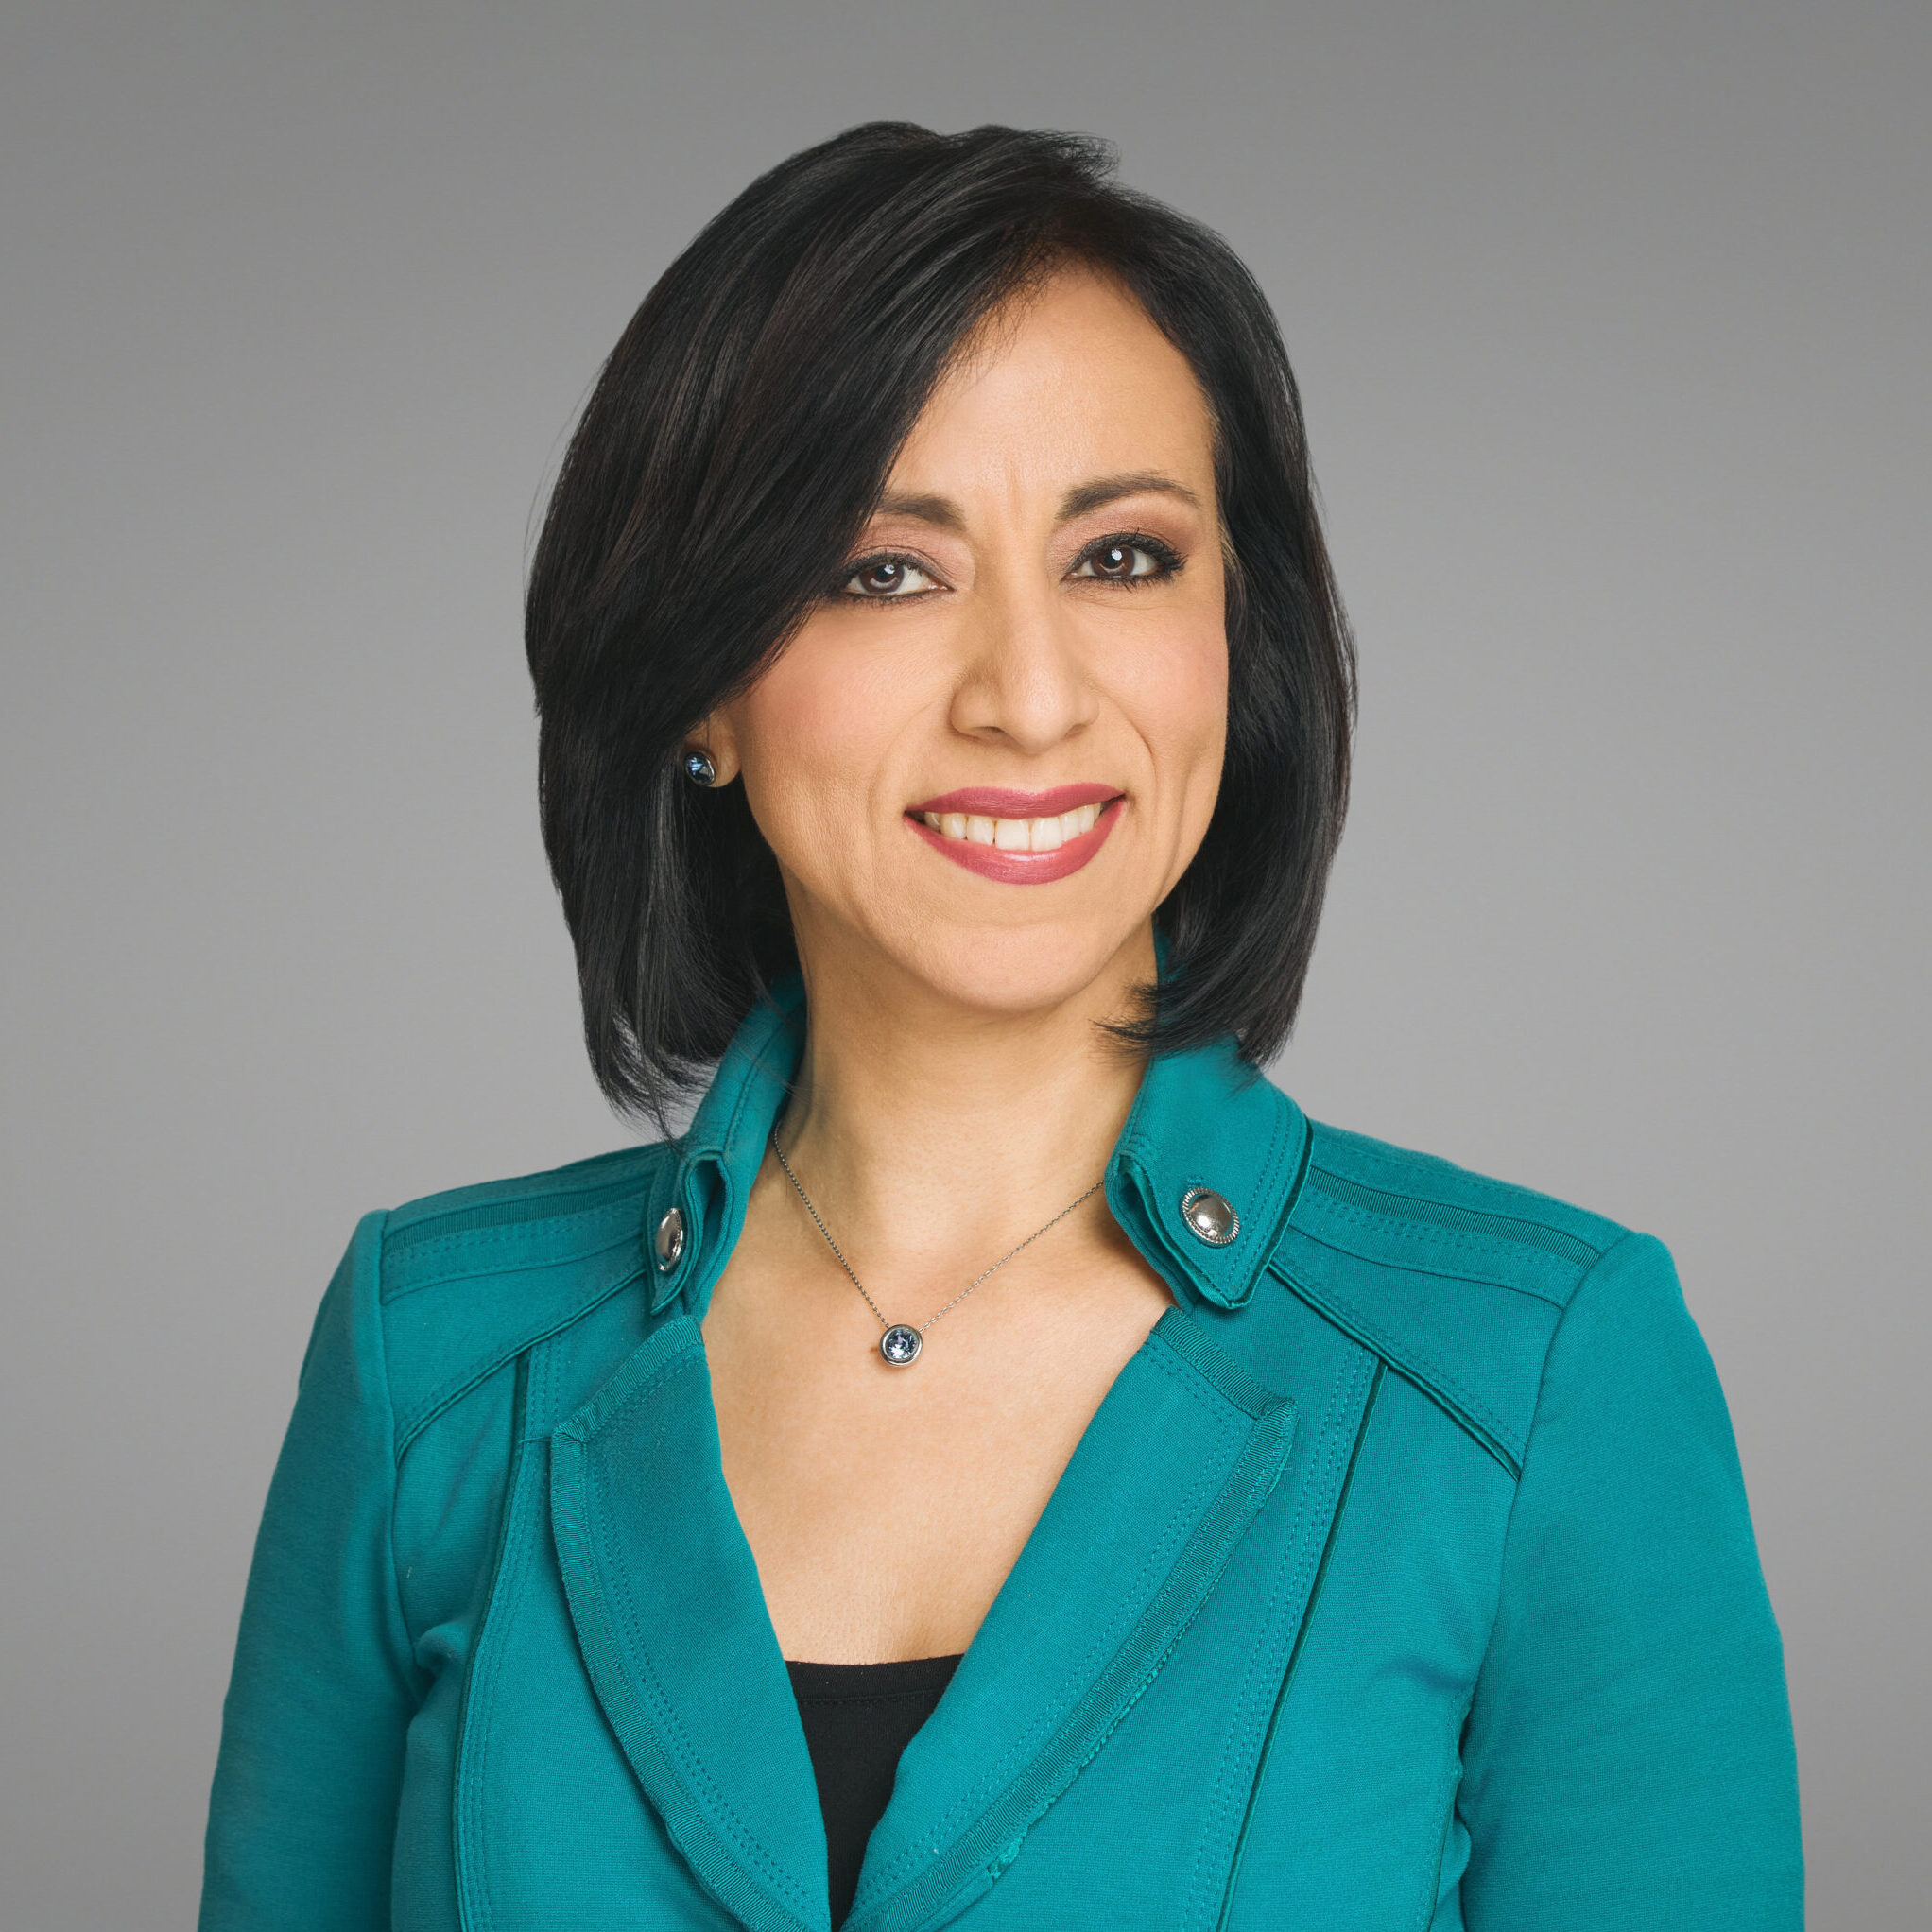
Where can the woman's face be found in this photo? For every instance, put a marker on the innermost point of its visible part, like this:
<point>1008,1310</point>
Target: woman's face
<point>988,756</point>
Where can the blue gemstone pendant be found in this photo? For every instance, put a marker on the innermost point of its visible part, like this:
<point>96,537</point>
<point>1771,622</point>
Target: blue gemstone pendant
<point>900,1345</point>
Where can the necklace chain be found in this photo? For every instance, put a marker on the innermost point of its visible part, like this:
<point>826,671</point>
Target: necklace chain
<point>884,1323</point>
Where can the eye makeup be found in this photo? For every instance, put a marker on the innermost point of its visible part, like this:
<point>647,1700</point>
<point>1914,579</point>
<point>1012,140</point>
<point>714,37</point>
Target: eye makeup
<point>891,569</point>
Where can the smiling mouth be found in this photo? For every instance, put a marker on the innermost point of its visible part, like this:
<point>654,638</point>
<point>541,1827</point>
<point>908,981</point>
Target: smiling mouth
<point>1018,837</point>
<point>1046,833</point>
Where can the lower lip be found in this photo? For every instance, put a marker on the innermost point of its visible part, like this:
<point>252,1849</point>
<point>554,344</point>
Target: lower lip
<point>1022,868</point>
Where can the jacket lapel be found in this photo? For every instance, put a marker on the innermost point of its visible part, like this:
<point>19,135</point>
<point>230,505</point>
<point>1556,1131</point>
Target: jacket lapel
<point>663,1593</point>
<point>1180,1455</point>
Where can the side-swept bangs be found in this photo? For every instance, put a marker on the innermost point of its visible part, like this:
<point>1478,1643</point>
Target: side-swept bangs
<point>734,445</point>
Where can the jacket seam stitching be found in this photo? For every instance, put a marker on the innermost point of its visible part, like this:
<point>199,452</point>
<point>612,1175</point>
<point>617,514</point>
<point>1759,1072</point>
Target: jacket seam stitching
<point>1227,1796</point>
<point>1444,1275</point>
<point>1347,1451</point>
<point>694,1774</point>
<point>1528,1443</point>
<point>676,1363</point>
<point>450,1395</point>
<point>395,1460</point>
<point>406,1221</point>
<point>1251,1398</point>
<point>487,1233</point>
<point>1436,1234</point>
<point>499,1270</point>
<point>504,1592</point>
<point>1341,1204</point>
<point>1392,1352</point>
<point>1509,1199</point>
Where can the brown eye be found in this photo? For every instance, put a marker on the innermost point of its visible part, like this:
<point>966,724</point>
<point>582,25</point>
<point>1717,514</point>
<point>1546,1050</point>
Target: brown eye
<point>1121,560</point>
<point>886,580</point>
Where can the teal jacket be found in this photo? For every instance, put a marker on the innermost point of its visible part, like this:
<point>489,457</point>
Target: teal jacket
<point>1402,1580</point>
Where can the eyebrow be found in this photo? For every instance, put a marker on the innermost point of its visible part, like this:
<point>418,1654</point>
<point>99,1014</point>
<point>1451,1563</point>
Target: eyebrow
<point>1106,490</point>
<point>944,514</point>
<point>940,511</point>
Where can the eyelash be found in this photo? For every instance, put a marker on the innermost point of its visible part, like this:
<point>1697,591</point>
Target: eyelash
<point>1167,562</point>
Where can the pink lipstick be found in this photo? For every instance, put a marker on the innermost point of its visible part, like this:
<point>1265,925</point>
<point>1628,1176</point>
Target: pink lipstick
<point>992,828</point>
<point>1002,802</point>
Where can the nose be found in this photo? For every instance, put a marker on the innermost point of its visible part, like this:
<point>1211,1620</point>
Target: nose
<point>1023,680</point>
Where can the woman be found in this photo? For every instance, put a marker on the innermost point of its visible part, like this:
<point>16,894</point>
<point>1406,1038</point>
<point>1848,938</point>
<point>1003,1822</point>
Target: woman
<point>1001,1454</point>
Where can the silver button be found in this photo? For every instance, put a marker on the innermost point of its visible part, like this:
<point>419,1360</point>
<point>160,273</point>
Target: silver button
<point>1209,1217</point>
<point>670,1240</point>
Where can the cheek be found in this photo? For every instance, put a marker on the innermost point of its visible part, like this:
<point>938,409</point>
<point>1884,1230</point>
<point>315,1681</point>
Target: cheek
<point>815,731</point>
<point>1178,695</point>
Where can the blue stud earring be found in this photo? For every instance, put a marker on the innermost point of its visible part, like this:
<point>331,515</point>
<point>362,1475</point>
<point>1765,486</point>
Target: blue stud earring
<point>698,768</point>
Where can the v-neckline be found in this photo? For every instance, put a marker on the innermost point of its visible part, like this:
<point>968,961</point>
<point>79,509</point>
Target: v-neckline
<point>1175,1462</point>
<point>1182,1452</point>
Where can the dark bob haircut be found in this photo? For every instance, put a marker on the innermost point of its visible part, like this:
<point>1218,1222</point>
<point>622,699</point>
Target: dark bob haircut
<point>737,441</point>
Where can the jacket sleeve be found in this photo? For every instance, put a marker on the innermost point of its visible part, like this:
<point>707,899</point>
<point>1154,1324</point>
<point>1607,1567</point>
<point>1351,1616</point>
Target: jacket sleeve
<point>302,1815</point>
<point>1627,1758</point>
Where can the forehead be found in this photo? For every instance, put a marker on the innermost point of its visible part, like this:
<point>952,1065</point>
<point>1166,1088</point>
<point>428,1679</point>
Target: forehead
<point>1068,381</point>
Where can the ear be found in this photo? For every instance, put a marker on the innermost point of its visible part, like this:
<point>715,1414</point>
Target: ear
<point>715,736</point>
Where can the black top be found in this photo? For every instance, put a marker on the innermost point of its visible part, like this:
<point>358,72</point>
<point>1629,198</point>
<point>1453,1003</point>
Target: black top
<point>858,1717</point>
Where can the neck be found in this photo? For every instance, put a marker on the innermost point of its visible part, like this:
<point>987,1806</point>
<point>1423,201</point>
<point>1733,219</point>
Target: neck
<point>924,1129</point>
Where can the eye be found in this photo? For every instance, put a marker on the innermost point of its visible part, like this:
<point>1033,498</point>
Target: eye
<point>888,580</point>
<point>1126,560</point>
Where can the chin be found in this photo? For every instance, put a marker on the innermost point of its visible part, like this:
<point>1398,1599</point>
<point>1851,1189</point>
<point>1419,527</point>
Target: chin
<point>1009,974</point>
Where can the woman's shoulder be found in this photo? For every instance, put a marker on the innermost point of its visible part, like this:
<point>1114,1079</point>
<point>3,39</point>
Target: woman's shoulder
<point>1459,1280</point>
<point>1464,1283</point>
<point>461,1282</point>
<point>531,1213</point>
<point>1436,1203</point>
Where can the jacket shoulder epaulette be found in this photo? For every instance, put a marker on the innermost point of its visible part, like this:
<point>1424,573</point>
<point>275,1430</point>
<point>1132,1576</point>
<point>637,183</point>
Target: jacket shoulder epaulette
<point>1456,1280</point>
<point>471,1277</point>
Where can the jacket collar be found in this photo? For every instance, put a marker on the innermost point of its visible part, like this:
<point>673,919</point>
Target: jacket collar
<point>1200,1119</point>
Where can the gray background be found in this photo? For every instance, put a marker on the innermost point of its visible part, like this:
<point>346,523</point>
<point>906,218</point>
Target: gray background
<point>1612,326</point>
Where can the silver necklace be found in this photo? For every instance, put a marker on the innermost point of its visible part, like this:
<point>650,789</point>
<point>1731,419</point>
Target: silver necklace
<point>901,1342</point>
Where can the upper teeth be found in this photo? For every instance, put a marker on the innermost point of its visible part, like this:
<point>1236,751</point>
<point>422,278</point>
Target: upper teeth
<point>1016,834</point>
